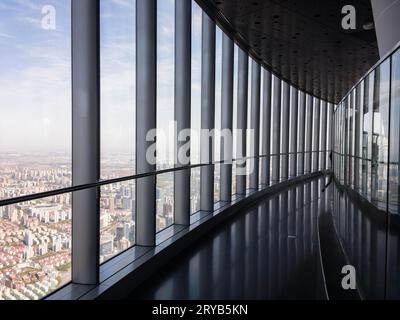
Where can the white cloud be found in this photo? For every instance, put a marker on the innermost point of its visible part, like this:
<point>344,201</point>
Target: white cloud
<point>5,35</point>
<point>124,3</point>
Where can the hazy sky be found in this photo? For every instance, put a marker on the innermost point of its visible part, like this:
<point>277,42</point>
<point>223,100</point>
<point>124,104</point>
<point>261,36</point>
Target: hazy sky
<point>35,78</point>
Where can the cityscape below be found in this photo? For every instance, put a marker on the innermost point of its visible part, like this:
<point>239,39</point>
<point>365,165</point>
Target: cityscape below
<point>36,237</point>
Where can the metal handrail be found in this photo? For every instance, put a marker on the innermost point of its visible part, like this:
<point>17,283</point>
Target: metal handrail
<point>56,192</point>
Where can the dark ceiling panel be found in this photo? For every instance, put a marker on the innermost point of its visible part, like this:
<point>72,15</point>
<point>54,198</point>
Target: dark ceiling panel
<point>303,41</point>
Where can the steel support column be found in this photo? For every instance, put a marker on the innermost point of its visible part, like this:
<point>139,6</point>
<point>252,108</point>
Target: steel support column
<point>183,80</point>
<point>255,125</point>
<point>242,101</point>
<point>207,112</point>
<point>331,108</point>
<point>359,115</point>
<point>276,131</point>
<point>146,93</point>
<point>85,140</point>
<point>301,134</point>
<point>293,133</point>
<point>226,118</point>
<point>324,129</point>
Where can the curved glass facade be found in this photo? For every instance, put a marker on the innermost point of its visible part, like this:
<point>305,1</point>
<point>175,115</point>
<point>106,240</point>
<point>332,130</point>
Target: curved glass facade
<point>366,148</point>
<point>266,131</point>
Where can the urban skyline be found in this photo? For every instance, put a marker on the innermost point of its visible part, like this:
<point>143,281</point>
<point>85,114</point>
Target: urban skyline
<point>35,236</point>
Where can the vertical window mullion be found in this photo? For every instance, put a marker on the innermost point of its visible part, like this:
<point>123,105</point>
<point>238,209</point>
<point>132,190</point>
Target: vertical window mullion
<point>146,84</point>
<point>243,80</point>
<point>301,135</point>
<point>323,130</point>
<point>85,140</point>
<point>255,124</point>
<point>276,130</point>
<point>207,112</point>
<point>226,118</point>
<point>183,69</point>
<point>294,130</point>
<point>332,137</point>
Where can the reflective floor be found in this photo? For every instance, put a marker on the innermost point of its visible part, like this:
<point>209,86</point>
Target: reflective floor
<point>272,251</point>
<point>267,252</point>
<point>362,231</point>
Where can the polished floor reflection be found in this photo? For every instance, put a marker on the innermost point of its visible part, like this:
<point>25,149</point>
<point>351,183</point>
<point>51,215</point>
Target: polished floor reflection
<point>269,252</point>
<point>362,229</point>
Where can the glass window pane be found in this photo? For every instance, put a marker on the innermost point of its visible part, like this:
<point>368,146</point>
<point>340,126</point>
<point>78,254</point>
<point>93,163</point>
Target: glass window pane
<point>393,275</point>
<point>316,134</point>
<point>165,112</point>
<point>165,82</point>
<point>367,136</point>
<point>350,138</point>
<point>380,142</point>
<point>118,87</point>
<point>358,111</point>
<point>218,106</point>
<point>196,81</point>
<point>117,219</point>
<point>35,247</point>
<point>195,190</point>
<point>394,136</point>
<point>35,95</point>
<point>196,105</point>
<point>345,112</point>
<point>308,135</point>
<point>164,201</point>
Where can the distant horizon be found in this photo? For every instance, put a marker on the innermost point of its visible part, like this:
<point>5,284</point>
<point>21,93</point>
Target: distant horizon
<point>35,83</point>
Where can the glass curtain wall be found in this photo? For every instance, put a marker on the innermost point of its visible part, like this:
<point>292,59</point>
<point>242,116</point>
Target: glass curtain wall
<point>393,274</point>
<point>363,136</point>
<point>36,148</point>
<point>380,140</point>
<point>370,142</point>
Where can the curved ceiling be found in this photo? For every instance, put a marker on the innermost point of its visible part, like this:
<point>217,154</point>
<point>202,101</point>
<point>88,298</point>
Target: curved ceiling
<point>303,41</point>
